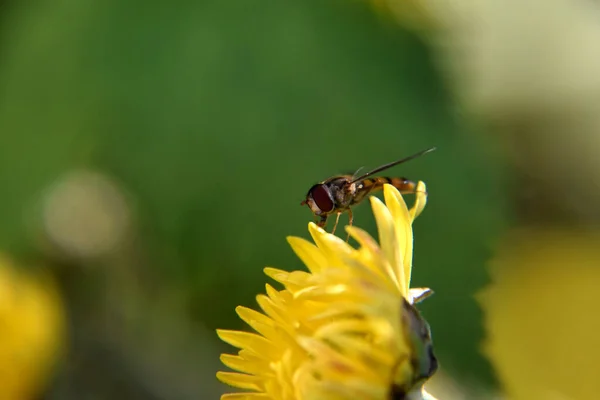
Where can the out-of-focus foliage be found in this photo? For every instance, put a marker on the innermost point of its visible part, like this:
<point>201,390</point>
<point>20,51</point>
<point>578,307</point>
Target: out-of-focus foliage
<point>33,328</point>
<point>534,85</point>
<point>214,118</point>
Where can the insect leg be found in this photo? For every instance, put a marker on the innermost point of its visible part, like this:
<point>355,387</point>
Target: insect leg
<point>337,219</point>
<point>322,221</point>
<point>350,220</point>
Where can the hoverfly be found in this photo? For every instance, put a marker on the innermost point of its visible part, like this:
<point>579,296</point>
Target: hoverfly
<point>338,194</point>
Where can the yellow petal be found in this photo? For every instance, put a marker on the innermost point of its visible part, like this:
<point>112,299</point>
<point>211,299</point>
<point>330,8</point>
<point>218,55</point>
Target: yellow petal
<point>245,366</point>
<point>336,363</point>
<point>364,239</point>
<point>348,326</point>
<point>246,396</point>
<point>396,204</point>
<point>343,390</point>
<point>277,334</point>
<point>323,293</point>
<point>271,309</point>
<point>252,342</point>
<point>388,241</point>
<point>242,381</point>
<point>259,322</point>
<point>402,220</point>
<point>332,246</point>
<point>275,295</point>
<point>364,352</point>
<point>310,254</point>
<point>370,254</point>
<point>249,315</point>
<point>292,281</point>
<point>420,201</point>
<point>343,309</point>
<point>248,355</point>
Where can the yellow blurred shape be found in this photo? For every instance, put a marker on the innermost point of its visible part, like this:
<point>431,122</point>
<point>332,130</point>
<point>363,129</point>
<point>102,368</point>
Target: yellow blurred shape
<point>417,15</point>
<point>542,315</point>
<point>32,327</point>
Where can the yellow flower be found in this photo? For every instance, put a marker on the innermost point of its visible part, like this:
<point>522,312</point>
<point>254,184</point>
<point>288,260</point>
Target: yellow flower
<point>346,329</point>
<point>541,314</point>
<point>32,334</point>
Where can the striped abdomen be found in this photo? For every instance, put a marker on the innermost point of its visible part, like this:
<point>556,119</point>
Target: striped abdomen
<point>370,185</point>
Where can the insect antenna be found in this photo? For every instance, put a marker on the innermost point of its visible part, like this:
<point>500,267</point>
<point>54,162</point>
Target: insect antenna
<point>356,173</point>
<point>394,163</point>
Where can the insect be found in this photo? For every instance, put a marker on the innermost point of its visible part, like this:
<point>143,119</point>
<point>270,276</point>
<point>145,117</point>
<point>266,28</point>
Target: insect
<point>339,193</point>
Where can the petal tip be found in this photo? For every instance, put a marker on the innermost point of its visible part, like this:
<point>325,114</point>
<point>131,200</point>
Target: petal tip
<point>376,202</point>
<point>317,232</point>
<point>290,239</point>
<point>417,295</point>
<point>420,201</point>
<point>312,227</point>
<point>391,190</point>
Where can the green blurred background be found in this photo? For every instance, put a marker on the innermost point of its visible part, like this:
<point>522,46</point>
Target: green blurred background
<point>210,120</point>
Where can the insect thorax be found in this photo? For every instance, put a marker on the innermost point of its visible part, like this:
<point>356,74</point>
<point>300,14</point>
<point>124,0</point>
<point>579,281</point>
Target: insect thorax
<point>342,191</point>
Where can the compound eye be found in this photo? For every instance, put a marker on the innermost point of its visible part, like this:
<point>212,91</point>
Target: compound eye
<point>322,198</point>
